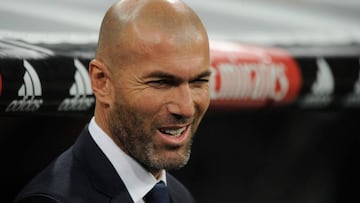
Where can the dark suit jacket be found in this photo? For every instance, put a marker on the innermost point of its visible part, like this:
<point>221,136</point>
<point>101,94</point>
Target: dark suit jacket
<point>83,174</point>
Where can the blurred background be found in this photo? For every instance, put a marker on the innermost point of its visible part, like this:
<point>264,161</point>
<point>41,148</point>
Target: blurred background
<point>301,150</point>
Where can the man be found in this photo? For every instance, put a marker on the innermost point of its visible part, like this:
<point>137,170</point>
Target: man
<point>150,77</point>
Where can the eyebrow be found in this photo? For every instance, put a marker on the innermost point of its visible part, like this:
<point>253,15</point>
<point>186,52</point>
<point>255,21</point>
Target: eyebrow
<point>165,75</point>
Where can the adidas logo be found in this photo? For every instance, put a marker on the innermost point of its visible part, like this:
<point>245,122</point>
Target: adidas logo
<point>322,90</point>
<point>30,90</point>
<point>80,91</point>
<point>353,99</point>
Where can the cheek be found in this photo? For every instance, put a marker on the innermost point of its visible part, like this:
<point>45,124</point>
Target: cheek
<point>137,98</point>
<point>202,99</point>
<point>147,103</point>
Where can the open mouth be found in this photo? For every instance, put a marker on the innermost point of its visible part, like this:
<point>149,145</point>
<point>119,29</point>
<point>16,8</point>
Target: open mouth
<point>174,132</point>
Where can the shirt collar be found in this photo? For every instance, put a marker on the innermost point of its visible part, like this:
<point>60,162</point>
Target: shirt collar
<point>137,180</point>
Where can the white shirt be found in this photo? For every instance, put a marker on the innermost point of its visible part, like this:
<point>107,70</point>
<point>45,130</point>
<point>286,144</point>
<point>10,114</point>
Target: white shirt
<point>137,180</point>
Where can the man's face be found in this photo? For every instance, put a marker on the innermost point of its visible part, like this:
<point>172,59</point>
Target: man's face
<point>159,101</point>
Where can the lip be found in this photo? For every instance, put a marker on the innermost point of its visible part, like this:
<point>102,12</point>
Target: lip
<point>172,140</point>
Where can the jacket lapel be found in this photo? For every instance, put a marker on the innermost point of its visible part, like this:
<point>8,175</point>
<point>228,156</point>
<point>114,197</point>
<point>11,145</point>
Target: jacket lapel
<point>99,169</point>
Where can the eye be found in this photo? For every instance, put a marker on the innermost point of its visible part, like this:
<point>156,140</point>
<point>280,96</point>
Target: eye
<point>200,81</point>
<point>161,83</point>
<point>157,82</point>
<point>203,80</point>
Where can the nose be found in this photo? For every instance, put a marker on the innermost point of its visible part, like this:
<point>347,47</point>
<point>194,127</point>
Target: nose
<point>181,101</point>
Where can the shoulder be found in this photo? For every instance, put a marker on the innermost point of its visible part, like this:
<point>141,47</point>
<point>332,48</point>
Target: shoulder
<point>41,188</point>
<point>53,183</point>
<point>38,198</point>
<point>178,191</point>
<point>81,174</point>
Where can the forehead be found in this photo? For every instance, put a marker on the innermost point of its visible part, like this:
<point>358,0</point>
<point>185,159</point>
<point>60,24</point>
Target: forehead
<point>177,51</point>
<point>153,50</point>
<point>145,39</point>
<point>179,60</point>
<point>184,67</point>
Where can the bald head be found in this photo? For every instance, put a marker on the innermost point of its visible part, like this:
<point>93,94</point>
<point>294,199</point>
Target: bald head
<point>132,28</point>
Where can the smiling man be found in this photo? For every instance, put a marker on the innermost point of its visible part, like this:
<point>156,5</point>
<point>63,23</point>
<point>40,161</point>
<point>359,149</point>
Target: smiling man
<point>150,77</point>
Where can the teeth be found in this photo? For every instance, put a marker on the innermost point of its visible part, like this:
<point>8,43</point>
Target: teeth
<point>175,133</point>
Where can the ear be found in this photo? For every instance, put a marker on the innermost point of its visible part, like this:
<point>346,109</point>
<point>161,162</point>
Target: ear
<point>100,78</point>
